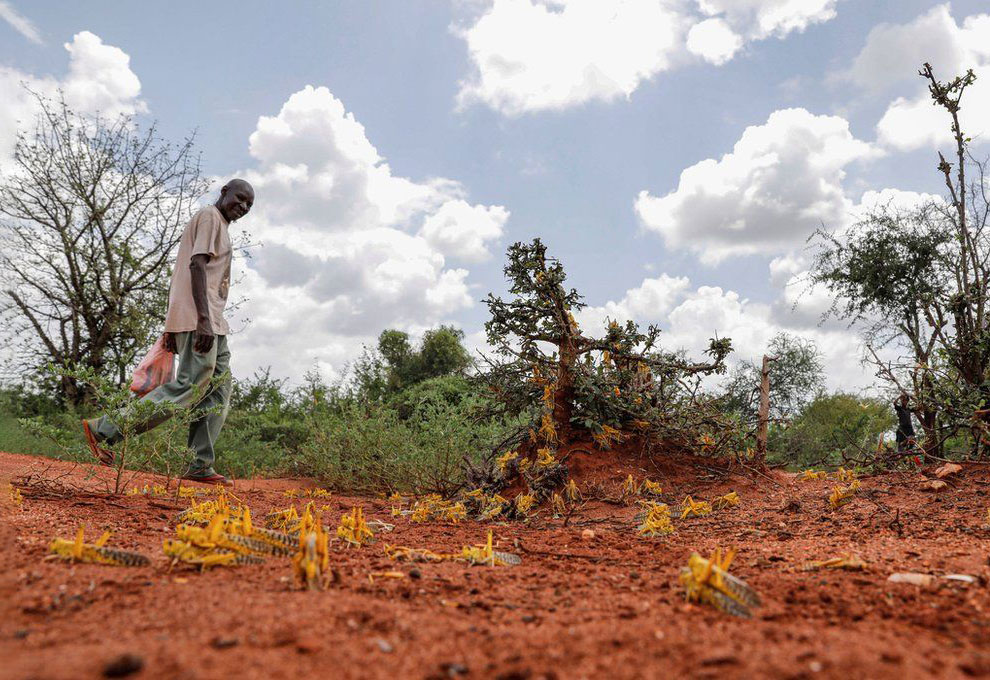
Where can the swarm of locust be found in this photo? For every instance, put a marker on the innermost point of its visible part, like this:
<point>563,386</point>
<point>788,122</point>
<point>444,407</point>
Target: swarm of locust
<point>15,495</point>
<point>708,581</point>
<point>727,501</point>
<point>353,530</point>
<point>655,520</point>
<point>203,512</point>
<point>483,554</point>
<point>650,488</point>
<point>226,540</point>
<point>434,508</point>
<point>693,508</point>
<point>483,505</point>
<point>94,553</point>
<point>306,493</point>
<point>844,475</point>
<point>842,495</point>
<point>311,562</point>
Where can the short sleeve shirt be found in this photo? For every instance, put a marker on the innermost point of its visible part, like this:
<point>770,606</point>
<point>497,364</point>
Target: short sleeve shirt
<point>205,234</point>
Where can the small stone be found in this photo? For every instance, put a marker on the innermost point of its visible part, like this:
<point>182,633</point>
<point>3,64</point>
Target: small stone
<point>815,666</point>
<point>912,578</point>
<point>20,634</point>
<point>384,645</point>
<point>224,642</point>
<point>528,618</point>
<point>588,535</point>
<point>123,665</point>
<point>454,669</point>
<point>415,573</point>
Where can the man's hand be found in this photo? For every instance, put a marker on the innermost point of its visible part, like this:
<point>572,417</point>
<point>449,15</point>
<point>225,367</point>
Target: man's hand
<point>168,342</point>
<point>203,338</point>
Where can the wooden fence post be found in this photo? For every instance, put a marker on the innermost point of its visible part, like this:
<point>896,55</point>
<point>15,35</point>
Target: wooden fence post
<point>764,413</point>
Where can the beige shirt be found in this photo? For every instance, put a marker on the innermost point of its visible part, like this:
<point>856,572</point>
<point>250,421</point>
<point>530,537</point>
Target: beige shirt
<point>205,234</point>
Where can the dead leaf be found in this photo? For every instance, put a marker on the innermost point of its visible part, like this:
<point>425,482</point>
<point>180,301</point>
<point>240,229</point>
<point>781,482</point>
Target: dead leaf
<point>948,469</point>
<point>933,485</point>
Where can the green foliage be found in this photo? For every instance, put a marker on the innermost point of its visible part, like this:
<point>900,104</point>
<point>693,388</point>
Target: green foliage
<point>161,450</point>
<point>90,209</point>
<point>917,284</point>
<point>395,365</point>
<point>414,442</point>
<point>828,427</point>
<point>373,448</point>
<point>421,399</point>
<point>545,364</point>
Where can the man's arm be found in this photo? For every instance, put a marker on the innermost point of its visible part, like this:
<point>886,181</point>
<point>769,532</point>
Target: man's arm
<point>203,340</point>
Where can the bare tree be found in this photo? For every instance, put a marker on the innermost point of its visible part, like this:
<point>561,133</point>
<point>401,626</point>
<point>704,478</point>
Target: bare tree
<point>90,211</point>
<point>918,282</point>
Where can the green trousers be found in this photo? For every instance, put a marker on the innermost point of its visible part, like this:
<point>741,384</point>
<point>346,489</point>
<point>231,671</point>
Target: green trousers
<point>190,388</point>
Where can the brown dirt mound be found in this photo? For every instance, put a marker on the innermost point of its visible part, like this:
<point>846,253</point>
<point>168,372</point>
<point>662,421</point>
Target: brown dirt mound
<point>577,606</point>
<point>592,467</point>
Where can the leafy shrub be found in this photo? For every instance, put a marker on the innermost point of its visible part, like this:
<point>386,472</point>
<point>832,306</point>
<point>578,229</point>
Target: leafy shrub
<point>830,426</point>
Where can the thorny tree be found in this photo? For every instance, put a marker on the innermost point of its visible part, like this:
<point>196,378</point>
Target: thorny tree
<point>797,377</point>
<point>90,211</point>
<point>545,364</point>
<point>918,281</point>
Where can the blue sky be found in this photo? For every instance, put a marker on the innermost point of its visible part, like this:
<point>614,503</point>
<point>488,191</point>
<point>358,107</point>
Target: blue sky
<point>567,169</point>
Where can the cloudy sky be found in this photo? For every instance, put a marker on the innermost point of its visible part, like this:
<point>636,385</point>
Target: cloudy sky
<point>675,154</point>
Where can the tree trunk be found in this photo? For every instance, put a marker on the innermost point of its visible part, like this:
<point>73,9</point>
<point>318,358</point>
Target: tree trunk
<point>764,413</point>
<point>563,398</point>
<point>929,426</point>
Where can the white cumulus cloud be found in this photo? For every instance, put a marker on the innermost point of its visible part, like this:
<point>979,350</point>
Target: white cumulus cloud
<point>541,54</point>
<point>891,58</point>
<point>689,318</point>
<point>759,19</point>
<point>536,55</point>
<point>99,79</point>
<point>714,41</point>
<point>349,248</point>
<point>459,229</point>
<point>782,180</point>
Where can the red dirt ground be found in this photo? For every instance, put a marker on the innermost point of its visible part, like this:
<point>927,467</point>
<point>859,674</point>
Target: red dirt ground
<point>609,606</point>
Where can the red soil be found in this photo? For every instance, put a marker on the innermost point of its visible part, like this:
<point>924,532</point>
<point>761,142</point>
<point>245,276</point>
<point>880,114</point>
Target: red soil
<point>608,606</point>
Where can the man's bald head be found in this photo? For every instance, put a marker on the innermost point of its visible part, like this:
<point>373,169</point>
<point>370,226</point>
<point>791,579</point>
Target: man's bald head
<point>236,199</point>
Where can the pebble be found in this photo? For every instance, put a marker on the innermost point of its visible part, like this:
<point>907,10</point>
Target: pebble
<point>587,534</point>
<point>224,642</point>
<point>384,645</point>
<point>454,669</point>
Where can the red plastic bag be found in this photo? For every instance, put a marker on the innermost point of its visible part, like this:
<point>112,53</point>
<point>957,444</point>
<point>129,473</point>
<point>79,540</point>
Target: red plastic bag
<point>157,368</point>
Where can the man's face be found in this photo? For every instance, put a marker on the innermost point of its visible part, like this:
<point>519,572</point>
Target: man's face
<point>236,200</point>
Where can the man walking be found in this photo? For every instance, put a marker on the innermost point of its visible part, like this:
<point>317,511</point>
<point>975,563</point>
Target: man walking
<point>196,331</point>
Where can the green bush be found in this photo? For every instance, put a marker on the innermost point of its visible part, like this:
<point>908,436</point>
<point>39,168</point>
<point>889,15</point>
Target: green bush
<point>371,448</point>
<point>828,427</point>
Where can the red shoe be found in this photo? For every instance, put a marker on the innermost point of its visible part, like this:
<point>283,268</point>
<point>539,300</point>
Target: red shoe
<point>210,477</point>
<point>101,454</point>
